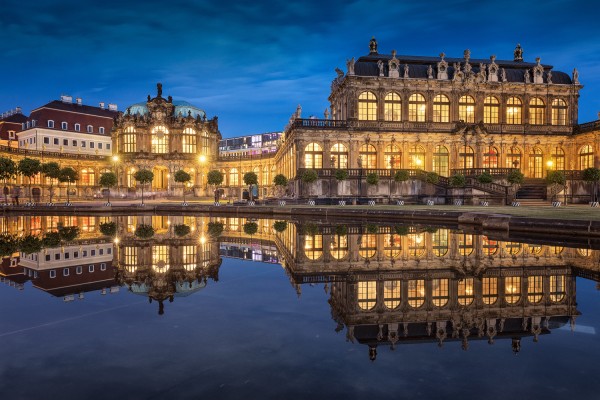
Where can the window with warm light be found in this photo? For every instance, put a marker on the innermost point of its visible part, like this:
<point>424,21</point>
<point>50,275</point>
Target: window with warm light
<point>441,161</point>
<point>439,292</point>
<point>313,156</point>
<point>416,293</point>
<point>535,289</point>
<point>339,156</point>
<point>87,176</point>
<point>466,157</point>
<point>234,177</point>
<point>313,246</point>
<point>441,108</point>
<point>416,157</point>
<point>392,245</point>
<point>367,294</point>
<point>514,111</point>
<point>339,246</point>
<point>416,245</point>
<point>160,259</point>
<point>586,157</point>
<point>537,111</point>
<point>391,294</point>
<point>392,107</point>
<point>556,250</point>
<point>189,257</point>
<point>368,154</point>
<point>367,107</point>
<point>558,158</point>
<point>129,140</point>
<point>130,256</point>
<point>489,290</point>
<point>188,141</point>
<point>490,157</point>
<point>466,109</point>
<point>513,248</point>
<point>393,156</point>
<point>557,288</point>
<point>536,163</point>
<point>559,112</point>
<point>512,289</point>
<point>489,247</point>
<point>368,246</point>
<point>417,107</point>
<point>160,140</point>
<point>491,110</point>
<point>513,157</point>
<point>465,244</point>
<point>465,292</point>
<point>439,242</point>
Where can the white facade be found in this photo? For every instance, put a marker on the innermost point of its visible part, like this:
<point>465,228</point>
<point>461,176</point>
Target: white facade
<point>65,141</point>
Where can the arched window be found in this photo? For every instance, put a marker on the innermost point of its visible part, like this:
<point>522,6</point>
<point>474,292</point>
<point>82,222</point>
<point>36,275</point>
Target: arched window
<point>205,144</point>
<point>87,177</point>
<point>160,140</point>
<point>490,290</point>
<point>514,111</point>
<point>188,141</point>
<point>313,246</point>
<point>558,158</point>
<point>466,158</point>
<point>512,289</point>
<point>559,112</point>
<point>536,163</point>
<point>441,161</point>
<point>416,245</point>
<point>439,292</point>
<point>339,156</point>
<point>392,245</point>
<point>466,109</point>
<point>537,111</point>
<point>367,294</point>
<point>391,294</point>
<point>392,108</point>
<point>491,107</point>
<point>490,157</point>
<point>393,157</point>
<point>513,248</point>
<point>416,293</point>
<point>367,107</point>
<point>441,108</point>
<point>234,177</point>
<point>465,244</point>
<point>535,289</point>
<point>439,242</point>
<point>129,139</point>
<point>513,157</point>
<point>586,157</point>
<point>368,246</point>
<point>489,247</point>
<point>416,108</point>
<point>416,157</point>
<point>557,288</point>
<point>313,156</point>
<point>368,154</point>
<point>465,291</point>
<point>265,176</point>
<point>339,246</point>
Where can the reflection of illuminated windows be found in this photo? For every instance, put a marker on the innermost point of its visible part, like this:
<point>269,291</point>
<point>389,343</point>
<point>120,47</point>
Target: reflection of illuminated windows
<point>130,258</point>
<point>465,245</point>
<point>160,259</point>
<point>465,291</point>
<point>131,223</point>
<point>367,294</point>
<point>416,245</point>
<point>160,223</point>
<point>313,247</point>
<point>439,242</point>
<point>556,250</point>
<point>584,252</point>
<point>339,246</point>
<point>234,224</point>
<point>489,247</point>
<point>439,292</point>
<point>534,249</point>
<point>513,248</point>
<point>368,246</point>
<point>391,294</point>
<point>512,289</point>
<point>535,289</point>
<point>557,288</point>
<point>416,293</point>
<point>490,290</point>
<point>393,245</point>
<point>87,224</point>
<point>189,258</point>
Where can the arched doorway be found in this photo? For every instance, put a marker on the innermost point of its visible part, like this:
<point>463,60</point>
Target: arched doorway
<point>161,178</point>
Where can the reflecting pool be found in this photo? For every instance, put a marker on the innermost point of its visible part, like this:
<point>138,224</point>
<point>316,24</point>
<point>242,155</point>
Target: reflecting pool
<point>153,306</point>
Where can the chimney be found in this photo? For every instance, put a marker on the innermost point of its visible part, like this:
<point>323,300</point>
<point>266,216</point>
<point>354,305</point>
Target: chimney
<point>66,99</point>
<point>79,101</point>
<point>112,107</point>
<point>102,105</point>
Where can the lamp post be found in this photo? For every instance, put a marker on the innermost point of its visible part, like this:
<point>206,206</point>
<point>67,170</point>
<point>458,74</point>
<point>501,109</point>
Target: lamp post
<point>201,162</point>
<point>330,175</point>
<point>115,160</point>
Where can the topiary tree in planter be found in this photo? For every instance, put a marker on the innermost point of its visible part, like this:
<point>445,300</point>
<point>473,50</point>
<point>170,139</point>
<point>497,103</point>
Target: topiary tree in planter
<point>459,181</point>
<point>309,177</point>
<point>214,229</point>
<point>250,179</point>
<point>108,180</point>
<point>340,176</point>
<point>29,167</point>
<point>556,179</point>
<point>432,179</point>
<point>214,178</point>
<point>181,230</point>
<point>9,244</point>
<point>372,179</point>
<point>143,176</point>
<point>182,177</point>
<point>8,169</point>
<point>515,178</point>
<point>250,228</point>
<point>279,226</point>
<point>144,231</point>
<point>108,228</point>
<point>30,244</point>
<point>68,175</point>
<point>592,175</point>
<point>280,182</point>
<point>485,177</point>
<point>51,170</point>
<point>401,176</point>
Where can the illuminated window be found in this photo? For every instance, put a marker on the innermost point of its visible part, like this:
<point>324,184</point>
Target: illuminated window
<point>393,157</point>
<point>537,111</point>
<point>234,177</point>
<point>416,293</point>
<point>339,246</point>
<point>313,246</point>
<point>466,158</point>
<point>160,140</point>
<point>488,246</point>
<point>513,157</point>
<point>339,156</point>
<point>416,245</point>
<point>205,144</point>
<point>416,108</point>
<point>441,108</point>
<point>556,250</point>
<point>367,107</point>
<point>393,245</point>
<point>87,176</point>
<point>440,160</point>
<point>536,163</point>
<point>439,242</point>
<point>265,176</point>
<point>189,257</point>
<point>558,158</point>
<point>512,289</point>
<point>465,292</point>
<point>313,156</point>
<point>160,259</point>
<point>491,107</point>
<point>490,290</point>
<point>513,248</point>
<point>368,246</point>
<point>557,288</point>
<point>584,252</point>
<point>188,141</point>
<point>391,294</point>
<point>416,157</point>
<point>392,107</point>
<point>465,244</point>
<point>535,289</point>
<point>534,250</point>
<point>490,157</point>
<point>466,109</point>
<point>439,292</point>
<point>130,256</point>
<point>368,154</point>
<point>586,157</point>
<point>559,112</point>
<point>514,111</point>
<point>367,294</point>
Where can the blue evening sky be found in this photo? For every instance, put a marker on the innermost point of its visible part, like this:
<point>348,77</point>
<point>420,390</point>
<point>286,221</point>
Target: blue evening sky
<point>252,63</point>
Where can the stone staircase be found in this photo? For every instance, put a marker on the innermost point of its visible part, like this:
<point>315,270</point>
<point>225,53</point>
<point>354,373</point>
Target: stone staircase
<point>533,193</point>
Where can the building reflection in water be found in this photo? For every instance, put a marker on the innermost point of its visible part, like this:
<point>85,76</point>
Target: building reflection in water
<point>387,285</point>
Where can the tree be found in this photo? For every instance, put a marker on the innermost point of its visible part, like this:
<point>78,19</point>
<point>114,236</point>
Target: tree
<point>432,179</point>
<point>8,169</point>
<point>68,175</point>
<point>182,177</point>
<point>214,178</point>
<point>30,244</point>
<point>108,180</point>
<point>341,175</point>
<point>458,181</point>
<point>555,179</point>
<point>143,176</point>
<point>485,177</point>
<point>215,229</point>
<point>108,228</point>
<point>250,179</point>
<point>515,178</point>
<point>144,231</point>
<point>280,182</point>
<point>310,176</point>
<point>401,176</point>
<point>29,167</point>
<point>250,228</point>
<point>592,175</point>
<point>280,226</point>
<point>9,244</point>
<point>51,170</point>
<point>181,230</point>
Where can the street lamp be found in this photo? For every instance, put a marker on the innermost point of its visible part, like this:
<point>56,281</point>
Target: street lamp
<point>115,160</point>
<point>201,161</point>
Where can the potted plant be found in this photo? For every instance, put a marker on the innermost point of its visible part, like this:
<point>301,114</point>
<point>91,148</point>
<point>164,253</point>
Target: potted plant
<point>459,181</point>
<point>182,177</point>
<point>143,176</point>
<point>68,175</point>
<point>108,180</point>
<point>215,179</point>
<point>280,182</point>
<point>401,176</point>
<point>340,176</point>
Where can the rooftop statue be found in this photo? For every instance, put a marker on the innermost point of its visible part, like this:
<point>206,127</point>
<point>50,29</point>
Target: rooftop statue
<point>518,53</point>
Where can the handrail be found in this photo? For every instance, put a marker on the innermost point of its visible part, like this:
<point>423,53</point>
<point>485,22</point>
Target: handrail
<point>469,172</point>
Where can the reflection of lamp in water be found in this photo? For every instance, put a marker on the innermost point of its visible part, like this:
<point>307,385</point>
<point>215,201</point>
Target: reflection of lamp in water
<point>418,239</point>
<point>202,239</point>
<point>116,240</point>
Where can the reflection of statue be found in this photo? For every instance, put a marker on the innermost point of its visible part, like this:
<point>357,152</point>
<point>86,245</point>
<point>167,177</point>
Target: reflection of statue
<point>159,90</point>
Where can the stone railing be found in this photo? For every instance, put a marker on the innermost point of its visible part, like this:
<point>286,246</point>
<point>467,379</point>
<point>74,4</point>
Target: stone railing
<point>478,171</point>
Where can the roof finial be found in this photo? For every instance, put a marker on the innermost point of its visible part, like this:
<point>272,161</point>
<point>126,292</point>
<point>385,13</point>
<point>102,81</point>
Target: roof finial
<point>159,90</point>
<point>373,46</point>
<point>518,53</point>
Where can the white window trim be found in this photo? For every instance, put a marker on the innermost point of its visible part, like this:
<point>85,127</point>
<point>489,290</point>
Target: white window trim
<point>50,123</point>
<point>77,128</point>
<point>64,126</point>
<point>52,273</point>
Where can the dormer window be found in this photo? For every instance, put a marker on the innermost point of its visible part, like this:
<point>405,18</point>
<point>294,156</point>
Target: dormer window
<point>90,129</point>
<point>64,126</point>
<point>101,130</point>
<point>50,123</point>
<point>11,134</point>
<point>77,128</point>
